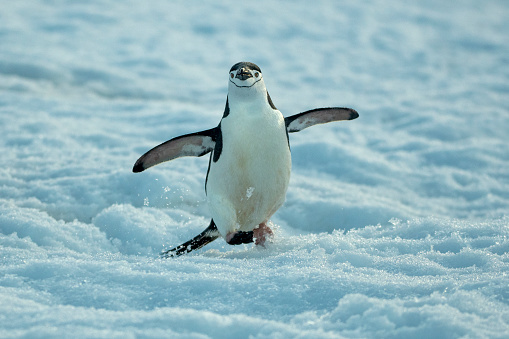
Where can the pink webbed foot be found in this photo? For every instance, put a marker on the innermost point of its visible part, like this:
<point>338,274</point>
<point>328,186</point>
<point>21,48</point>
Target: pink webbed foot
<point>261,233</point>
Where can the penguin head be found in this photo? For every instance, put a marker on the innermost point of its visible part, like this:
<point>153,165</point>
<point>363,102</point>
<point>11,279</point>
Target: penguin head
<point>245,78</point>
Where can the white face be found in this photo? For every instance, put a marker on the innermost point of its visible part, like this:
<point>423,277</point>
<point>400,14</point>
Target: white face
<point>245,77</point>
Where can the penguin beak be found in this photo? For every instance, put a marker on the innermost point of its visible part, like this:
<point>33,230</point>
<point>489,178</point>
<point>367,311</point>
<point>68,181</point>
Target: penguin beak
<point>243,74</point>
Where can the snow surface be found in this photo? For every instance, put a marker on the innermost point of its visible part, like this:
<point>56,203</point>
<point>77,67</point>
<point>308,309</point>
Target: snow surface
<point>395,226</point>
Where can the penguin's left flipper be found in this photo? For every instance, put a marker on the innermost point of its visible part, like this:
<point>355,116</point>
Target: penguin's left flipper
<point>207,236</point>
<point>194,144</point>
<point>298,122</point>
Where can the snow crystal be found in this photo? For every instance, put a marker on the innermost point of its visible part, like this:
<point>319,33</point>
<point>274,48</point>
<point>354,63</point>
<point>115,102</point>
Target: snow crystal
<point>249,192</point>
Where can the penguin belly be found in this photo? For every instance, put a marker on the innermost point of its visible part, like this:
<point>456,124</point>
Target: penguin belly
<point>248,183</point>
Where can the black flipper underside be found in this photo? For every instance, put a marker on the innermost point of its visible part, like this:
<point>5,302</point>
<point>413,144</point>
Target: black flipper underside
<point>210,234</point>
<point>194,144</point>
<point>298,122</point>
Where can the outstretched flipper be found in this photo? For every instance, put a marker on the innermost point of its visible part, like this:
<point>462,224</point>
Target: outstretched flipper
<point>194,144</point>
<point>210,234</point>
<point>298,122</point>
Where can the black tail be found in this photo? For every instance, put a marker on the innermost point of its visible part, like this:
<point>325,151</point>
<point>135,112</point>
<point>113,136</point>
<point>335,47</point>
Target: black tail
<point>210,234</point>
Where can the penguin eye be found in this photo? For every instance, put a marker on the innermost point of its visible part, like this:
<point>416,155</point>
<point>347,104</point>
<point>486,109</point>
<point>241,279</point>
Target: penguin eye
<point>257,74</point>
<point>231,75</point>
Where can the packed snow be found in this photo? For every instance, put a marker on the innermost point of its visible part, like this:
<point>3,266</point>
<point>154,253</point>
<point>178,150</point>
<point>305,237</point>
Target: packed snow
<point>396,224</point>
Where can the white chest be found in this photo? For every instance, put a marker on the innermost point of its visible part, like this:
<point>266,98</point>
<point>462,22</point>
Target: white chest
<point>249,181</point>
<point>255,142</point>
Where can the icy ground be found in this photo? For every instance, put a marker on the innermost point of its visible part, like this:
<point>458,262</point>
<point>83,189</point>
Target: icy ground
<point>396,224</point>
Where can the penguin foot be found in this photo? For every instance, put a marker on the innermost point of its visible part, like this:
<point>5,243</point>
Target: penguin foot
<point>239,237</point>
<point>261,233</point>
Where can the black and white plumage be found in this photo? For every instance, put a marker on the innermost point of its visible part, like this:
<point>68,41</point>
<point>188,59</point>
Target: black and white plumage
<point>250,161</point>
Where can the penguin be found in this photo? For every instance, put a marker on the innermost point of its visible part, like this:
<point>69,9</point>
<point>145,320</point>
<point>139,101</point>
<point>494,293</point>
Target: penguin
<point>250,159</point>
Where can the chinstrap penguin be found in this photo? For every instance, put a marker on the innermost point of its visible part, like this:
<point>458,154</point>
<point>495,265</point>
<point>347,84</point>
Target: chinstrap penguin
<point>250,161</point>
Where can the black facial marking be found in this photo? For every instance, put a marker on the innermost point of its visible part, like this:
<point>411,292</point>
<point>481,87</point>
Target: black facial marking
<point>249,65</point>
<point>270,101</point>
<point>243,73</point>
<point>246,86</point>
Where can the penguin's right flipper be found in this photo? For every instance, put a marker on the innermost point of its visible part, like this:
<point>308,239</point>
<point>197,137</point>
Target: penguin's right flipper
<point>210,234</point>
<point>194,144</point>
